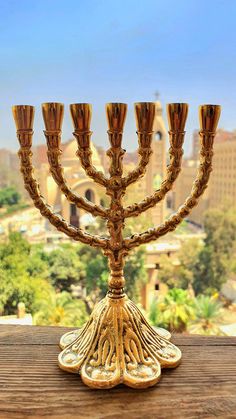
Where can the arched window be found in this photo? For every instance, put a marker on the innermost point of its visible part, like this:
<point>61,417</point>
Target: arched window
<point>74,217</point>
<point>89,194</point>
<point>73,210</point>
<point>158,136</point>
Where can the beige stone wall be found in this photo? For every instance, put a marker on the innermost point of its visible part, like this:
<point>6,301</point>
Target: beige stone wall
<point>222,185</point>
<point>222,188</point>
<point>182,189</point>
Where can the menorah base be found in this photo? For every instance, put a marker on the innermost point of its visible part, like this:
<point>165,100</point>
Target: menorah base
<point>117,345</point>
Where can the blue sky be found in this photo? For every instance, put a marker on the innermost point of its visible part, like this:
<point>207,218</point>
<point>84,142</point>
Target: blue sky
<point>103,51</point>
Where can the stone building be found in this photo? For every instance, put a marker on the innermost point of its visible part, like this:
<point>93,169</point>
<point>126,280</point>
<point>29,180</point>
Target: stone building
<point>182,189</point>
<point>222,185</point>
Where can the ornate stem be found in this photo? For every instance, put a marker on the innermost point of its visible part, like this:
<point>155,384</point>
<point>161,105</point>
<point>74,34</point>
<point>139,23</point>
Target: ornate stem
<point>116,114</point>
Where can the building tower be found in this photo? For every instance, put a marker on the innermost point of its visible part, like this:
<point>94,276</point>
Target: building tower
<point>157,168</point>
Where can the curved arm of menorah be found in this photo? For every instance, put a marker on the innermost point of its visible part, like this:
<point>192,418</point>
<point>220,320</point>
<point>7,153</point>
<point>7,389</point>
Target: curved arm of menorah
<point>209,118</point>
<point>144,152</point>
<point>57,221</point>
<point>53,116</point>
<point>173,170</point>
<point>81,117</point>
<point>144,115</point>
<point>57,172</point>
<point>24,117</point>
<point>177,115</point>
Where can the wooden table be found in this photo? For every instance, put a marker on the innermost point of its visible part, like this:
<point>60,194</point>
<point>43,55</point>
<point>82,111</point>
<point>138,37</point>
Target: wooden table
<point>32,385</point>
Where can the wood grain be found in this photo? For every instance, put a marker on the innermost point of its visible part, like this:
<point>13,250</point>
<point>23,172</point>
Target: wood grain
<point>32,385</point>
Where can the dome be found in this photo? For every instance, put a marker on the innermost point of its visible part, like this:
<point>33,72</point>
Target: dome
<point>69,154</point>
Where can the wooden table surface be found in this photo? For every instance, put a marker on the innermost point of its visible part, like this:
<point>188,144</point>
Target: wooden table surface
<point>32,385</point>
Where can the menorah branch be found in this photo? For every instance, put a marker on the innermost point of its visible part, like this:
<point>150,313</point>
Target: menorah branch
<point>173,170</point>
<point>199,186</point>
<point>57,171</point>
<point>85,155</point>
<point>24,116</point>
<point>177,115</point>
<point>144,115</point>
<point>144,152</point>
<point>57,221</point>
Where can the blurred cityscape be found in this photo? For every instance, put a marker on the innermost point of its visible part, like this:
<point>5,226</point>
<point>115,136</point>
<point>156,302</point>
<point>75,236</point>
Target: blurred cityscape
<point>185,281</point>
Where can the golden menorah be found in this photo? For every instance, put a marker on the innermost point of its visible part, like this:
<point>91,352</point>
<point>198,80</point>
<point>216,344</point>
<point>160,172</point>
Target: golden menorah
<point>116,345</point>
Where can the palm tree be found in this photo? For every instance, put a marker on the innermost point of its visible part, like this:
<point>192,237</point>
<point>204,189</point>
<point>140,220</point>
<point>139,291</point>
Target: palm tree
<point>173,311</point>
<point>61,310</point>
<point>208,315</point>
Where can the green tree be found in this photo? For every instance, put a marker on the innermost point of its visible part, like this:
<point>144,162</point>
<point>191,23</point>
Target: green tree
<point>215,260</point>
<point>19,281</point>
<point>9,196</point>
<point>181,275</point>
<point>208,316</point>
<point>65,268</point>
<point>173,311</point>
<point>135,273</point>
<point>61,310</point>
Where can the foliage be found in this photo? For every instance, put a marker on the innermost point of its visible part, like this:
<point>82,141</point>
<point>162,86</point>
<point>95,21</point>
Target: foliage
<point>215,259</point>
<point>20,280</point>
<point>180,275</point>
<point>61,310</point>
<point>96,270</point>
<point>135,273</point>
<point>173,311</point>
<point>65,268</point>
<point>9,176</point>
<point>208,312</point>
<point>43,280</point>
<point>9,196</point>
<point>204,268</point>
<point>14,208</point>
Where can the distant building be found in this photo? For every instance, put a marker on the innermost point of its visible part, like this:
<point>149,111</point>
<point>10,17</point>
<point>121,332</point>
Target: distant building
<point>156,170</point>
<point>222,185</point>
<point>195,145</point>
<point>153,287</point>
<point>9,162</point>
<point>21,318</point>
<point>182,189</point>
<point>39,155</point>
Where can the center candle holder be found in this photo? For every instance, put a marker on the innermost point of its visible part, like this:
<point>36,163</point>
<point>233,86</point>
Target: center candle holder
<point>116,345</point>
